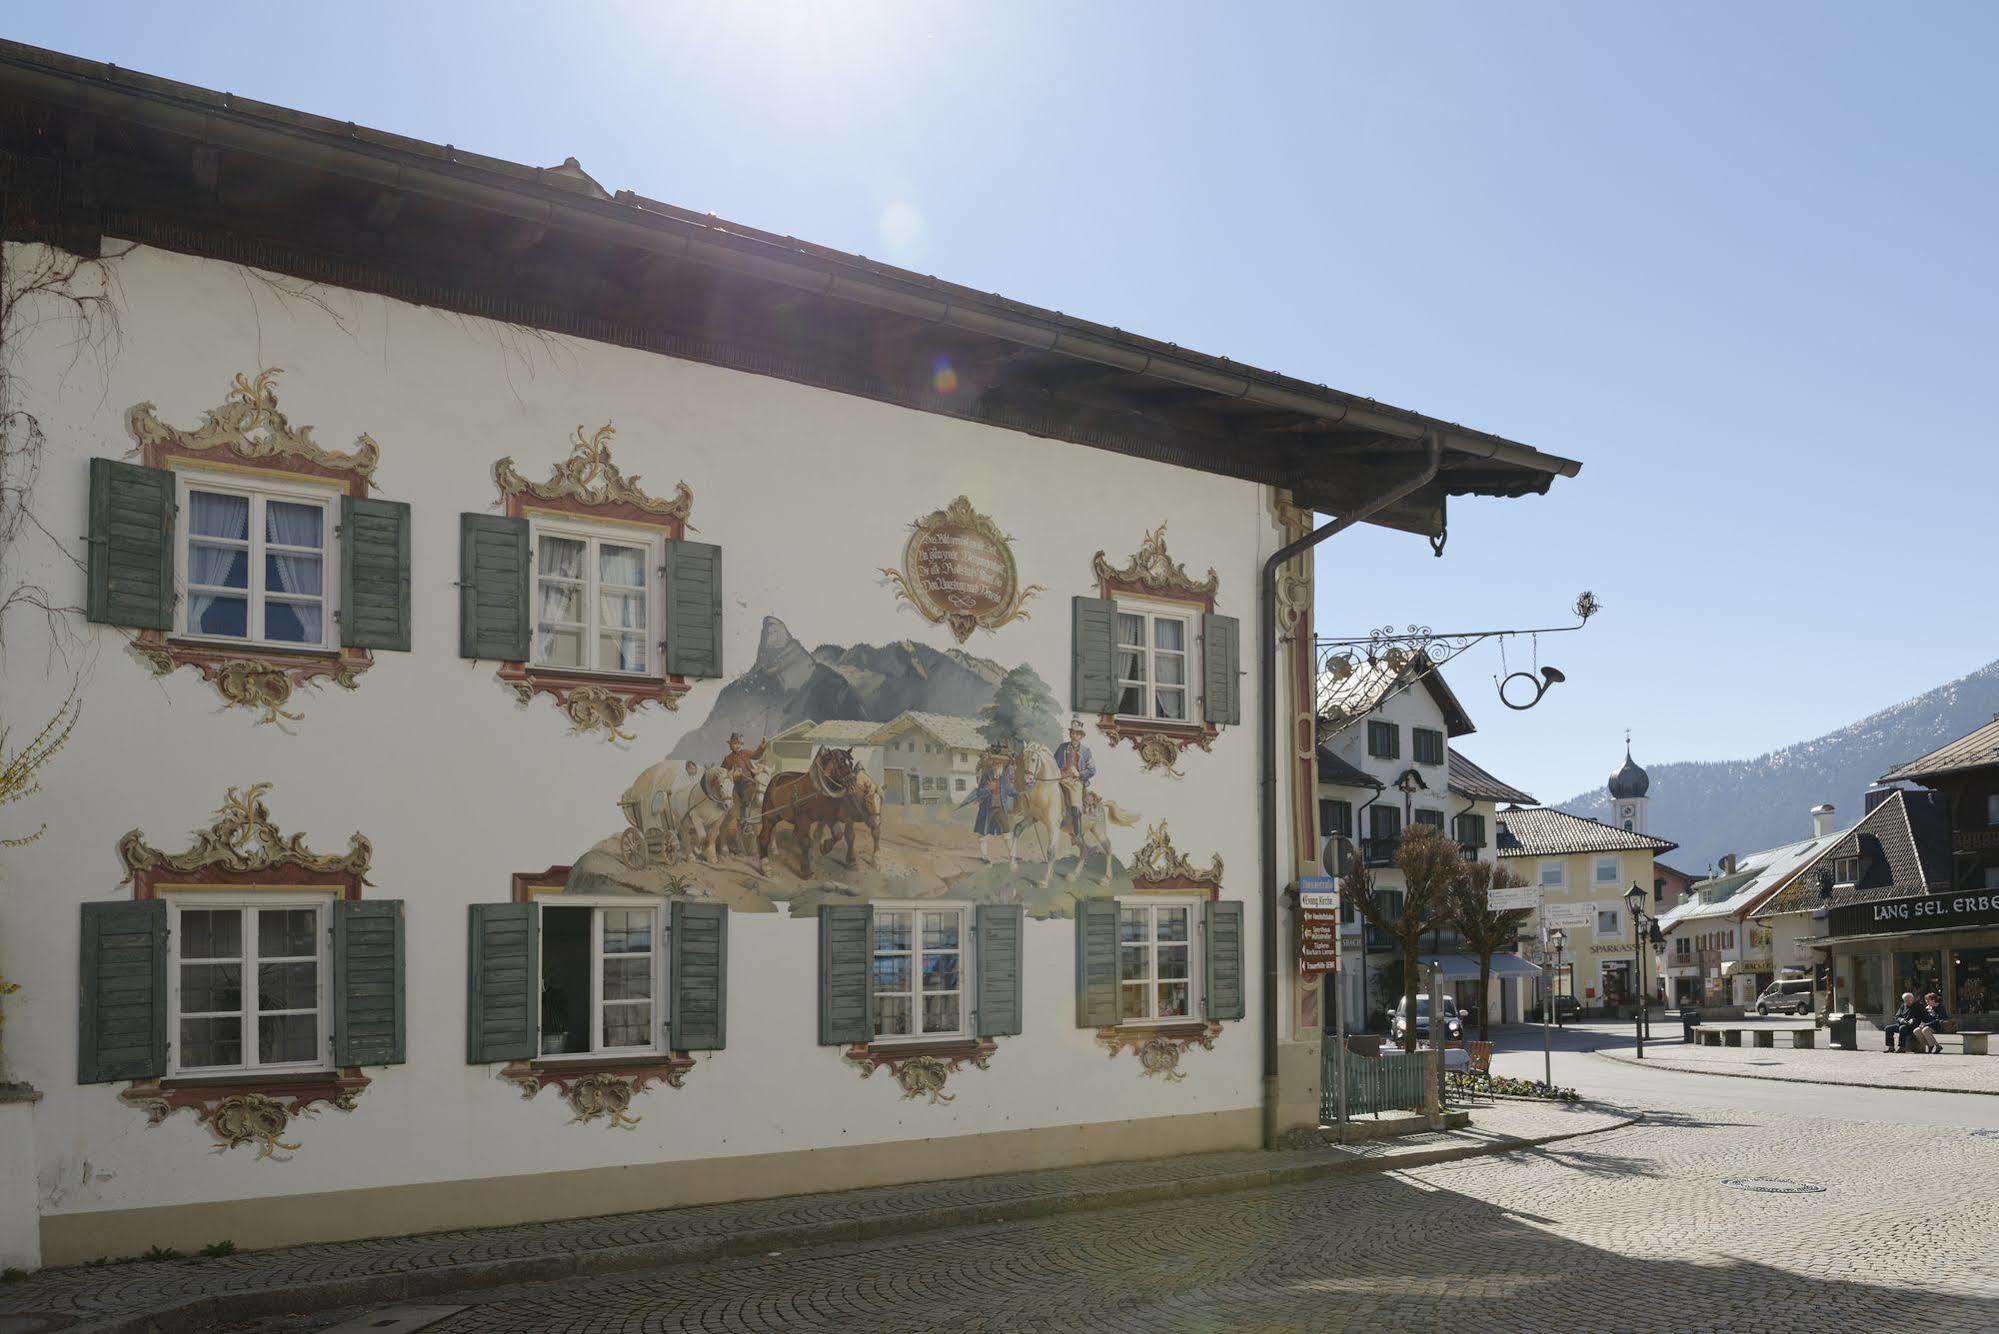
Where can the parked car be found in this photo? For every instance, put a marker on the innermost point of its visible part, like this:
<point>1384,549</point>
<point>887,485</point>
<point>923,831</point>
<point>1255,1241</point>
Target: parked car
<point>1792,995</point>
<point>1454,1029</point>
<point>1566,1009</point>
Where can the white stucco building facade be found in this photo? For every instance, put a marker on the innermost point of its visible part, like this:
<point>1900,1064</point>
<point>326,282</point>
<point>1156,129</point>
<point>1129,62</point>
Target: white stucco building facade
<point>397,874</point>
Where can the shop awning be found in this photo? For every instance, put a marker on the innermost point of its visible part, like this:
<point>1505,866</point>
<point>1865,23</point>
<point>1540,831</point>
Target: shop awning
<point>1464,968</point>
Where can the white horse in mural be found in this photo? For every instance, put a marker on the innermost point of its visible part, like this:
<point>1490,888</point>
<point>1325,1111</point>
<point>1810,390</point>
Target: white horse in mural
<point>1039,782</point>
<point>684,801</point>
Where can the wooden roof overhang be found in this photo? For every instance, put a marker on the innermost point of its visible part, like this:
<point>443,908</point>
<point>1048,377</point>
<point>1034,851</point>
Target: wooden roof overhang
<point>88,151</point>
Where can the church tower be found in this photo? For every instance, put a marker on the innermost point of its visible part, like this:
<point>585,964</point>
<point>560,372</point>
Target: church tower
<point>1628,787</point>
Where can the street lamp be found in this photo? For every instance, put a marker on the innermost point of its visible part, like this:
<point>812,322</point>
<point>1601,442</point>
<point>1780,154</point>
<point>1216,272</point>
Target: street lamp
<point>1640,937</point>
<point>1555,938</point>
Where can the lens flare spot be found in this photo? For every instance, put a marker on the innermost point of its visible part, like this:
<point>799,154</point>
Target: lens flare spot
<point>901,225</point>
<point>943,376</point>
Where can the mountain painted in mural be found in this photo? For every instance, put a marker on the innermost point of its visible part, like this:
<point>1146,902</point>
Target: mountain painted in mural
<point>789,683</point>
<point>1746,805</point>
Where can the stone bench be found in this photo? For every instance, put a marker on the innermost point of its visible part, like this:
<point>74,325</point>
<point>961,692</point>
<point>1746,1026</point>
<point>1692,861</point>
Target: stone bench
<point>1804,1037</point>
<point>1975,1042</point>
<point>1763,1037</point>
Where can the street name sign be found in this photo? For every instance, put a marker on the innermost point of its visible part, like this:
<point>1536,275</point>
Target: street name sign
<point>1510,898</point>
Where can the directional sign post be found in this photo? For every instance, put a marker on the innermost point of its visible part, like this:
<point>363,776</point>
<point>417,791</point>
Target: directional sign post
<point>1319,927</point>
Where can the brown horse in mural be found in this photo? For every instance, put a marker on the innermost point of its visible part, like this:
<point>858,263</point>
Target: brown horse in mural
<point>804,800</point>
<point>864,807</point>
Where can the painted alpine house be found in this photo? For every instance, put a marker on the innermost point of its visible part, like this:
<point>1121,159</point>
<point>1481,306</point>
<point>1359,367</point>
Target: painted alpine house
<point>436,545</point>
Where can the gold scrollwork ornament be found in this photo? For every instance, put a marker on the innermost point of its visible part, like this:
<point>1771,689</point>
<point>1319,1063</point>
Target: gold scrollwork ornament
<point>243,838</point>
<point>1158,860</point>
<point>1153,569</point>
<point>252,407</point>
<point>589,477</point>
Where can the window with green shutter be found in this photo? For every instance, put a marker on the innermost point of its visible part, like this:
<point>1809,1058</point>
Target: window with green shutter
<point>369,1022</point>
<point>503,978</point>
<point>700,976</point>
<point>693,609</point>
<point>122,975</point>
<point>1221,669</point>
<point>374,574</point>
<point>1223,965</point>
<point>1096,963</point>
<point>996,936</point>
<point>846,973</point>
<point>1093,649</point>
<point>493,608</point>
<point>131,546</point>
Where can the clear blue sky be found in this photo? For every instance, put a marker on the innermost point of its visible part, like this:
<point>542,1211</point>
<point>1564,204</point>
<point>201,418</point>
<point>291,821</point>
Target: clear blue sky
<point>1737,258</point>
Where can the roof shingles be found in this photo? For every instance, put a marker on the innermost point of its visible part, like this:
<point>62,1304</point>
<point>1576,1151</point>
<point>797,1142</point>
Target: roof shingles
<point>1544,832</point>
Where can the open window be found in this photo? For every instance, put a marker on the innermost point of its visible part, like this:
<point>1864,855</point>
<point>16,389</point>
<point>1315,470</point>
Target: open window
<point>603,979</point>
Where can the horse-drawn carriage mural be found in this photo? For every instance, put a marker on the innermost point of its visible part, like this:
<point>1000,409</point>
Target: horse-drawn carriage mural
<point>1007,808</point>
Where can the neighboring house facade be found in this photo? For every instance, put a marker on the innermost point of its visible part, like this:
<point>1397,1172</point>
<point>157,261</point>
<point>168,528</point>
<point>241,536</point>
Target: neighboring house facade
<point>1583,869</point>
<point>1908,901</point>
<point>1386,762</point>
<point>1669,886</point>
<point>1717,952</point>
<point>928,757</point>
<point>376,894</point>
<point>792,750</point>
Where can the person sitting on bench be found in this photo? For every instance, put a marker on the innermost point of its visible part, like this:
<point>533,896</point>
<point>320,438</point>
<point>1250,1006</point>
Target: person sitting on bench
<point>1936,1020</point>
<point>1905,1022</point>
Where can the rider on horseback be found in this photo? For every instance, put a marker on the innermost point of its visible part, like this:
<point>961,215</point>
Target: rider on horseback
<point>1077,768</point>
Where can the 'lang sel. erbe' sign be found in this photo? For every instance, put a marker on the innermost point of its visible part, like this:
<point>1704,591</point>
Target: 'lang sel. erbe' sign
<point>1921,912</point>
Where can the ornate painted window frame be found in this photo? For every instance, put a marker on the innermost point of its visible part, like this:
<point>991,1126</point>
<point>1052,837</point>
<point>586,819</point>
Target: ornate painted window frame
<point>244,853</point>
<point>595,1088</point>
<point>1152,575</point>
<point>921,1066</point>
<point>588,487</point>
<point>1158,869</point>
<point>249,426</point>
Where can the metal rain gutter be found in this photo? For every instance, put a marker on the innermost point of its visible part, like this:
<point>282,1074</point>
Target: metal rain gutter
<point>1266,698</point>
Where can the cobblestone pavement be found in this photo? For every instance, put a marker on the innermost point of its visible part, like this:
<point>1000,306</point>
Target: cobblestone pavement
<point>630,1240</point>
<point>1700,1219</point>
<point>1868,1067</point>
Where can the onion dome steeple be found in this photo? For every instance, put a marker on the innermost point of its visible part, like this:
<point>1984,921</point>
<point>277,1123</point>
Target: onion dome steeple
<point>1631,780</point>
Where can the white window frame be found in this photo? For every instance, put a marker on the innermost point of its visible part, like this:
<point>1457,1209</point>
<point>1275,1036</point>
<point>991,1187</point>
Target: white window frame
<point>257,490</point>
<point>1851,865</point>
<point>662,1013</point>
<point>200,900</point>
<point>652,541</point>
<point>1189,618</point>
<point>1196,997</point>
<point>916,952</point>
<point>1561,870</point>
<point>1616,931</point>
<point>1616,876</point>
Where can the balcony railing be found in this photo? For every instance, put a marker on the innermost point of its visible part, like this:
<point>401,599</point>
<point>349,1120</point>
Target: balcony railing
<point>1975,840</point>
<point>1380,851</point>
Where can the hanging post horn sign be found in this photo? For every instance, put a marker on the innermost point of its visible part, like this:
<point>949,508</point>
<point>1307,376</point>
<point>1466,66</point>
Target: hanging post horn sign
<point>1427,650</point>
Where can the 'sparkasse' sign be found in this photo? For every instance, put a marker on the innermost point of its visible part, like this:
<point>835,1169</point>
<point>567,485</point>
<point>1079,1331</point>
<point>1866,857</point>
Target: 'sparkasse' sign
<point>1922,912</point>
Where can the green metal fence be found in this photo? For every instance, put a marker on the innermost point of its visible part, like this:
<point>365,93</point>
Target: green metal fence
<point>1375,1084</point>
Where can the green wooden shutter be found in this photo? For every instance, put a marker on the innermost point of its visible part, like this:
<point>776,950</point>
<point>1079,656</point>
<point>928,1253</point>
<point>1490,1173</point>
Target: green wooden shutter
<point>502,1010</point>
<point>846,973</point>
<point>997,929</point>
<point>368,1020</point>
<point>693,645</point>
<point>122,1016</point>
<point>492,587</point>
<point>131,565</point>
<point>700,940</point>
<point>1096,963</point>
<point>1092,655</point>
<point>1221,954</point>
<point>374,574</point>
<point>1221,669</point>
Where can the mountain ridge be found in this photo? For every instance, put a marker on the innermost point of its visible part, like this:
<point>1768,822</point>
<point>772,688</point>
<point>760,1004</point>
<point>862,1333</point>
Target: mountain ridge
<point>1713,807</point>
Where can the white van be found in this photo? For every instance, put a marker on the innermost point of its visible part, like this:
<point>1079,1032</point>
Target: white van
<point>1792,995</point>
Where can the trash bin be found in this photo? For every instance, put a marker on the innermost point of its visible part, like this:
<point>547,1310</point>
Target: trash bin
<point>1690,1019</point>
<point>1844,1029</point>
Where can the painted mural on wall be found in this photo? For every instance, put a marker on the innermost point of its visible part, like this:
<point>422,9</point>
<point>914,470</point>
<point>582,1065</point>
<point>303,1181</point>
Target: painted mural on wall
<point>894,771</point>
<point>958,570</point>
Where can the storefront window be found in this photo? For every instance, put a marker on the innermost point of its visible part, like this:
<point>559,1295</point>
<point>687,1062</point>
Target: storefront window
<point>1977,981</point>
<point>1920,971</point>
<point>1866,982</point>
<point>1617,982</point>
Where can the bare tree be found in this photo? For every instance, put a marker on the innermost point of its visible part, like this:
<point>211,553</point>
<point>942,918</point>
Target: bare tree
<point>1484,931</point>
<point>1430,865</point>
